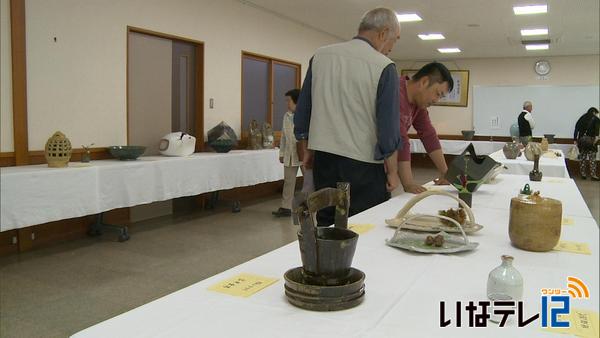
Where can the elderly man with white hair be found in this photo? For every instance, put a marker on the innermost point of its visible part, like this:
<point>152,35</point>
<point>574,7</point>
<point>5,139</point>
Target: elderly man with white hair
<point>347,116</point>
<point>526,122</point>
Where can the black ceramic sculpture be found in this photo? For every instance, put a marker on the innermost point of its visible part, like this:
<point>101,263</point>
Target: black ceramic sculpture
<point>222,138</point>
<point>480,168</point>
<point>326,280</point>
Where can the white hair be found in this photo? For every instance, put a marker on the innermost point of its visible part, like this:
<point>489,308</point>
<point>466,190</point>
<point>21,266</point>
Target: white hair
<point>378,19</point>
<point>527,104</point>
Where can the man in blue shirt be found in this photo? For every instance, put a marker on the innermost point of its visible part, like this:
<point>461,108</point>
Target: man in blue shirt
<point>346,120</point>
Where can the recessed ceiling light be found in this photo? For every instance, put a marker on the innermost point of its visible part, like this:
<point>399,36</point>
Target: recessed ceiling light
<point>449,50</point>
<point>534,9</point>
<point>537,46</point>
<point>408,17</point>
<point>535,31</point>
<point>431,36</point>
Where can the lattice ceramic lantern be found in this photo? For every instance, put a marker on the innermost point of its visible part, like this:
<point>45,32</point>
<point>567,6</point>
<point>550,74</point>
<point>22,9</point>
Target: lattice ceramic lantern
<point>58,150</point>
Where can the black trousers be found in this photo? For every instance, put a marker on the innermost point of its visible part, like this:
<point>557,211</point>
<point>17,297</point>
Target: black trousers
<point>367,182</point>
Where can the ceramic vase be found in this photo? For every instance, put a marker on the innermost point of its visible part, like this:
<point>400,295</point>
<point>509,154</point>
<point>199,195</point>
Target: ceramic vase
<point>511,150</point>
<point>535,222</point>
<point>505,281</point>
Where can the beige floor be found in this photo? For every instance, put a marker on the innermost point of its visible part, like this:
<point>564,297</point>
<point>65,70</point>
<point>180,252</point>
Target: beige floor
<point>57,291</point>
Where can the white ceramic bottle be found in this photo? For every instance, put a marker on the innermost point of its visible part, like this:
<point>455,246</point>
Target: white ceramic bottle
<point>504,281</point>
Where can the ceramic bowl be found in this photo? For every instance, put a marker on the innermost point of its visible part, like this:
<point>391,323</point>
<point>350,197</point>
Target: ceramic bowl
<point>468,134</point>
<point>127,153</point>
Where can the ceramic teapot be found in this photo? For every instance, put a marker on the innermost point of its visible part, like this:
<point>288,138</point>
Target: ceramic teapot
<point>177,144</point>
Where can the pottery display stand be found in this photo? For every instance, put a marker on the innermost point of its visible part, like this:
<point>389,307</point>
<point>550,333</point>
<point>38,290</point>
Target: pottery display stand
<point>97,228</point>
<point>325,281</point>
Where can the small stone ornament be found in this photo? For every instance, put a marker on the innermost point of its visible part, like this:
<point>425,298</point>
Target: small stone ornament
<point>267,136</point>
<point>526,190</point>
<point>256,137</point>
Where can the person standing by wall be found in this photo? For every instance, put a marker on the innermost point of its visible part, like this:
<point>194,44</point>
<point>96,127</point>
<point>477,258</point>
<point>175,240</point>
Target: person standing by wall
<point>525,120</point>
<point>585,135</point>
<point>347,118</point>
<point>288,155</point>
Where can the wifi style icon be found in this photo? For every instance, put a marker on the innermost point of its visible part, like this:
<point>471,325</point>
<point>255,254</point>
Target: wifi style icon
<point>577,288</point>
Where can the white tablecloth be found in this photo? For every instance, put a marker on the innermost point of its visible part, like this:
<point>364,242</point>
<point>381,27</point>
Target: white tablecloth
<point>403,290</point>
<point>550,167</point>
<point>37,194</point>
<point>456,147</point>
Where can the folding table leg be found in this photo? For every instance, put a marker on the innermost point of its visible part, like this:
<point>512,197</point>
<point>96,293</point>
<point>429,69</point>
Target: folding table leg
<point>214,199</point>
<point>97,228</point>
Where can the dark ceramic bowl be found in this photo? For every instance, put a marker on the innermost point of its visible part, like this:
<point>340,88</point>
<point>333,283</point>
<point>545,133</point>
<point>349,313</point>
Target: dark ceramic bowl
<point>127,153</point>
<point>468,134</point>
<point>222,146</point>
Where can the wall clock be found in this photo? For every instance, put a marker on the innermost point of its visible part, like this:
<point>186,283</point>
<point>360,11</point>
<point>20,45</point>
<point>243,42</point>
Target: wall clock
<point>542,67</point>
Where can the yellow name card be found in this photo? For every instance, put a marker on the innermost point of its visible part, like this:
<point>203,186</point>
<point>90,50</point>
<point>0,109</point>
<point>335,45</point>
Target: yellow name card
<point>243,285</point>
<point>583,323</point>
<point>568,221</point>
<point>574,247</point>
<point>361,228</point>
<point>555,180</point>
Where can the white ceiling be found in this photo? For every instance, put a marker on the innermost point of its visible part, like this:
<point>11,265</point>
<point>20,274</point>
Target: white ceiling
<point>573,25</point>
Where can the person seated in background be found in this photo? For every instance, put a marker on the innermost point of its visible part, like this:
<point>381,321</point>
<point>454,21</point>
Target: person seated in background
<point>288,155</point>
<point>587,129</point>
<point>427,86</point>
<point>525,120</point>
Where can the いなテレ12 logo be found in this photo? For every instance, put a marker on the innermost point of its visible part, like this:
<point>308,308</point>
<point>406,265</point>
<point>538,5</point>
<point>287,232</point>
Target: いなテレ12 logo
<point>556,302</point>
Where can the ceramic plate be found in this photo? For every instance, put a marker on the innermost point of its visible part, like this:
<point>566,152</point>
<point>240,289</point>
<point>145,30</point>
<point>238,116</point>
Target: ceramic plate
<point>432,224</point>
<point>416,242</point>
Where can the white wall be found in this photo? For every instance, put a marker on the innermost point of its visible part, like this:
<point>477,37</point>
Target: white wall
<point>566,70</point>
<point>6,116</point>
<point>78,83</point>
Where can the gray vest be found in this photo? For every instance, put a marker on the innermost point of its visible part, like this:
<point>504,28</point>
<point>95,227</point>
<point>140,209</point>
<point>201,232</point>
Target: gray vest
<point>345,77</point>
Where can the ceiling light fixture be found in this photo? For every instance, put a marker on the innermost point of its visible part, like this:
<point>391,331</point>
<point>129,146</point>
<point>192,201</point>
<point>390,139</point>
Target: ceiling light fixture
<point>534,9</point>
<point>431,36</point>
<point>449,50</point>
<point>537,46</point>
<point>408,17</point>
<point>535,31</point>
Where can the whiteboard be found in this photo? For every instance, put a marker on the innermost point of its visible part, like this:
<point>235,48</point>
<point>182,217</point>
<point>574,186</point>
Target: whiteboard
<point>555,108</point>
